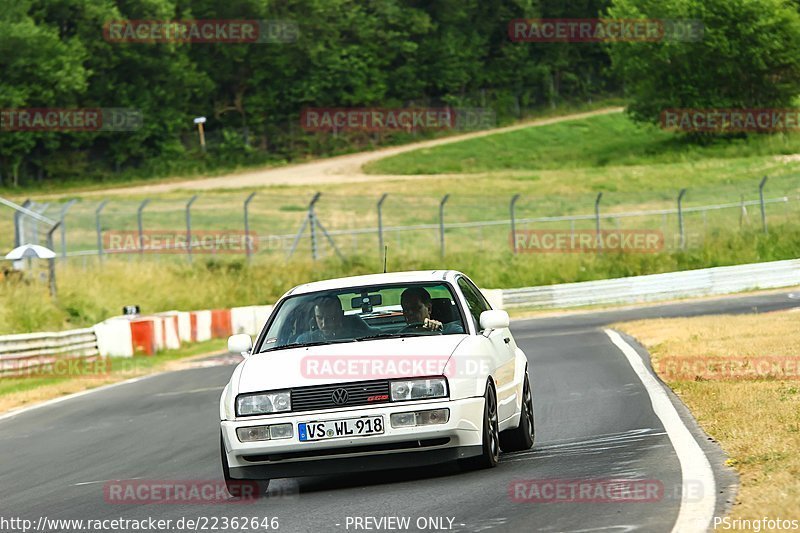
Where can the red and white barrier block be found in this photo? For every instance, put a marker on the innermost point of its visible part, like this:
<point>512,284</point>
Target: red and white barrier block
<point>125,336</point>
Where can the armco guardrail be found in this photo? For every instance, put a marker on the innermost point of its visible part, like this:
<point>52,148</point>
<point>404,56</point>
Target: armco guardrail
<point>125,336</point>
<point>654,287</point>
<point>25,352</point>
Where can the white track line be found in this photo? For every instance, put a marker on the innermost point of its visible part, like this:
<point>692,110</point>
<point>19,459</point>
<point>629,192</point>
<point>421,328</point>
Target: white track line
<point>176,393</point>
<point>60,399</point>
<point>695,512</point>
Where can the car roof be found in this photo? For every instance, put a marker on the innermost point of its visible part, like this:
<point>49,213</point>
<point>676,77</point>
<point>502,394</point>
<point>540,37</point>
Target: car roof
<point>416,276</point>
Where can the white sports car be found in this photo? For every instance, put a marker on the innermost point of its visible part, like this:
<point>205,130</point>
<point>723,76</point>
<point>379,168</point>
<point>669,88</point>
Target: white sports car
<point>371,372</point>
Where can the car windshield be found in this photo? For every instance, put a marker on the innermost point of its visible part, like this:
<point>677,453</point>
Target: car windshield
<point>364,313</point>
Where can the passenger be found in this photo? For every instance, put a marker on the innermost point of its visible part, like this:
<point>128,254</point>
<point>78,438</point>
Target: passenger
<point>331,322</point>
<point>298,323</point>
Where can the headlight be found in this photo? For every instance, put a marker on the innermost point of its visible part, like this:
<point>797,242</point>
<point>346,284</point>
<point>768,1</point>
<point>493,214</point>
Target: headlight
<point>257,433</point>
<point>419,389</point>
<point>420,418</point>
<point>263,403</point>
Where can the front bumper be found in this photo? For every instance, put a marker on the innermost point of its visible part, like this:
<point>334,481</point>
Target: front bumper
<point>405,447</point>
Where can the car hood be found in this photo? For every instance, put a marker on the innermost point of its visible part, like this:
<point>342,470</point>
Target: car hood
<point>348,362</point>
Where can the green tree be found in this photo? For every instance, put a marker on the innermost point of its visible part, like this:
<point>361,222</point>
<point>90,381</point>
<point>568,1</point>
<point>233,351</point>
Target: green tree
<point>748,56</point>
<point>38,70</point>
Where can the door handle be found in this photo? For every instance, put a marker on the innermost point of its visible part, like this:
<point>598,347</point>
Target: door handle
<point>507,340</point>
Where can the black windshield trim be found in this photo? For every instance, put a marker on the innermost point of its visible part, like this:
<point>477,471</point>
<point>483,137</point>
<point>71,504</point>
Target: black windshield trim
<point>452,288</point>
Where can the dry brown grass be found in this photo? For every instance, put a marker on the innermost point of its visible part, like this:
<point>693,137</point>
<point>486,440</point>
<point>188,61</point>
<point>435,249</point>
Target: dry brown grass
<point>756,421</point>
<point>19,393</point>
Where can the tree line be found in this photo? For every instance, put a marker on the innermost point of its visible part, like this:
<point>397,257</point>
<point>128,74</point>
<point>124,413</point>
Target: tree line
<point>61,54</point>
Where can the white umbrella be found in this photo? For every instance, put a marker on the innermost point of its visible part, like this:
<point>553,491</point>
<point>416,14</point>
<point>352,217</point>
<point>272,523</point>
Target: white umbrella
<point>30,250</point>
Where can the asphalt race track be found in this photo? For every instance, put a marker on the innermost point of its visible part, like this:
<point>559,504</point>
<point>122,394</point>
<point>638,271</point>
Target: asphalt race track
<point>594,421</point>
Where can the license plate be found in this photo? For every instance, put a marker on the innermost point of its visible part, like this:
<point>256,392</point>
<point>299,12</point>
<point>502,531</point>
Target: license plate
<point>349,427</point>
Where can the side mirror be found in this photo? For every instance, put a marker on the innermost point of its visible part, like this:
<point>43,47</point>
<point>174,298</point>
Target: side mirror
<point>240,343</point>
<point>494,319</point>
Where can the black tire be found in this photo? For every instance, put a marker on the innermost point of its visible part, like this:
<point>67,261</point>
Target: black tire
<point>490,455</point>
<point>241,488</point>
<point>521,438</point>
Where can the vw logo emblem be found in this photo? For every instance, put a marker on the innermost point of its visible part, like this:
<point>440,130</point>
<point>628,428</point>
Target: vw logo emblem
<point>339,396</point>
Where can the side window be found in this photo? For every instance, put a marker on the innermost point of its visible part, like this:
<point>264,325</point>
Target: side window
<point>476,303</point>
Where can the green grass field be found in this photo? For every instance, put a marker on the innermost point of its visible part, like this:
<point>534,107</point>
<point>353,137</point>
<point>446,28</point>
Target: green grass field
<point>557,169</point>
<point>89,294</point>
<point>596,142</point>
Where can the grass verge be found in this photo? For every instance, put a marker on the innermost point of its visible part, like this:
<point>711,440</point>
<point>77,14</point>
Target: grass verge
<point>21,392</point>
<point>756,419</point>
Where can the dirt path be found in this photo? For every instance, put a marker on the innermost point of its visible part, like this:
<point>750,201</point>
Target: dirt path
<point>346,168</point>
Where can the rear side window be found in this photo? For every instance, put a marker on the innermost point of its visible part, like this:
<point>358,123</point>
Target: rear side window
<point>476,303</point>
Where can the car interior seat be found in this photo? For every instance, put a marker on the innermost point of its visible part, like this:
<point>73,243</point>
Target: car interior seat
<point>443,310</point>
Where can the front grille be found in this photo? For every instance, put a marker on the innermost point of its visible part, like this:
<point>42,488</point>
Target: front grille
<point>321,396</point>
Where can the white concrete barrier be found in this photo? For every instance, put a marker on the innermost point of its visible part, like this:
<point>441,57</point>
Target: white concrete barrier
<point>184,326</point>
<point>201,326</point>
<point>114,337</point>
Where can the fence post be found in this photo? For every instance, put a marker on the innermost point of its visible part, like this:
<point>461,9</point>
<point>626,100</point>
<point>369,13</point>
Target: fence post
<point>441,222</point>
<point>380,222</point>
<point>742,212</point>
<point>248,248</point>
<point>99,229</point>
<point>761,199</point>
<point>306,219</point>
<point>313,223</point>
<point>51,263</point>
<point>680,217</point>
<point>598,241</point>
<point>18,224</point>
<point>189,226</point>
<point>513,222</point>
<point>63,225</point>
<point>139,223</point>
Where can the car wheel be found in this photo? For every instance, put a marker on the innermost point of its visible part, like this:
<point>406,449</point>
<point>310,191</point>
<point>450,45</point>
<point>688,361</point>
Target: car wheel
<point>238,488</point>
<point>521,437</point>
<point>490,455</point>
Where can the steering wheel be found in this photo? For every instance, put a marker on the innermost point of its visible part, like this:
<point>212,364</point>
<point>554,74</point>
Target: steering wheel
<point>418,326</point>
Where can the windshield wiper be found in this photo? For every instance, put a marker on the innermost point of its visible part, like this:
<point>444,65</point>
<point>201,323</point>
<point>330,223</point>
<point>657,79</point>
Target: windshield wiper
<point>386,336</point>
<point>304,344</point>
